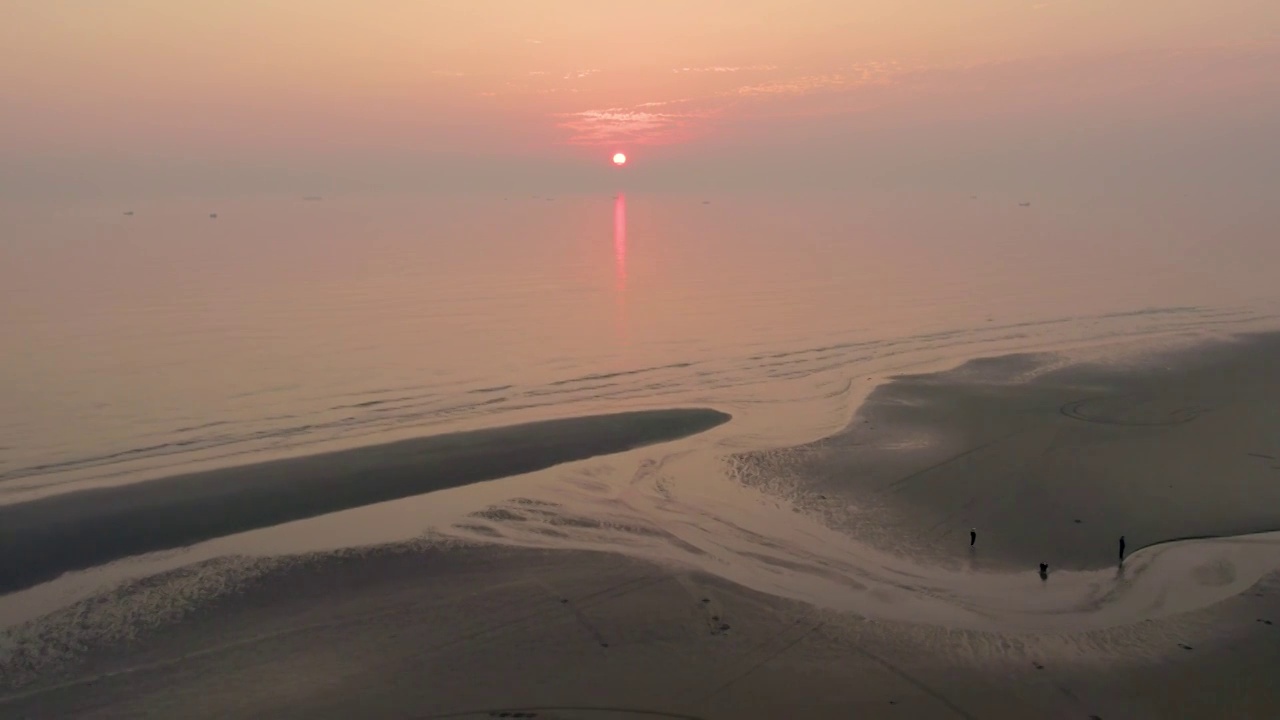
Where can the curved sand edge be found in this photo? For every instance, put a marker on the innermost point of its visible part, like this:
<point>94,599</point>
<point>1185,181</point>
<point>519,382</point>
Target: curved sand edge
<point>1050,462</point>
<point>44,538</point>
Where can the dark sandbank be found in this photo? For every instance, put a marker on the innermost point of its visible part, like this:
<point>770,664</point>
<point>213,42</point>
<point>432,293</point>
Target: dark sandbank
<point>1054,464</point>
<point>42,539</point>
<point>462,633</point>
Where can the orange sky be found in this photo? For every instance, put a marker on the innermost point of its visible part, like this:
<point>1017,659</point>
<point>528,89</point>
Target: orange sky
<point>330,84</point>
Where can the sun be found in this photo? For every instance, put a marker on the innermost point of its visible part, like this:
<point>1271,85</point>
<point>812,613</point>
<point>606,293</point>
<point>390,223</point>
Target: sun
<point>619,159</point>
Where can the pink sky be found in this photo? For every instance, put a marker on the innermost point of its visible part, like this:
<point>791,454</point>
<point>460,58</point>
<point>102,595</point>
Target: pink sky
<point>155,89</point>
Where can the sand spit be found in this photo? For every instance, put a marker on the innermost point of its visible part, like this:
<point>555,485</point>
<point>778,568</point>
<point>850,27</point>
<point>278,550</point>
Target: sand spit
<point>47,537</point>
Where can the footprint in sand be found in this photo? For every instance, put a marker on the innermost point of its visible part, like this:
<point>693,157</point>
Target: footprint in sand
<point>1265,622</point>
<point>1185,646</point>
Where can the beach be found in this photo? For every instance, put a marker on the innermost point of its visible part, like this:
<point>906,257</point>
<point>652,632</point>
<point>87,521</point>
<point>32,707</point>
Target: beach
<point>428,632</point>
<point>1053,462</point>
<point>828,579</point>
<point>584,360</point>
<point>71,531</point>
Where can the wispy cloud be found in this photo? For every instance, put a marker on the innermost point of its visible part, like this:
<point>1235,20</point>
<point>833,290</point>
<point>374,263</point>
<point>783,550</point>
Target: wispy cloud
<point>532,41</point>
<point>448,73</point>
<point>626,125</point>
<point>662,103</point>
<point>877,73</point>
<point>724,68</point>
<point>726,104</point>
<point>676,120</point>
<point>791,86</point>
<point>579,74</point>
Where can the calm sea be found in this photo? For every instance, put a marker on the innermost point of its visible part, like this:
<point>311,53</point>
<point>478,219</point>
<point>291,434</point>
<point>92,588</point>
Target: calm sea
<point>148,344</point>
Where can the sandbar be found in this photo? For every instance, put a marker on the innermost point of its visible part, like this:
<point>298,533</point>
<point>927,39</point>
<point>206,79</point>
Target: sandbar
<point>41,539</point>
<point>1052,462</point>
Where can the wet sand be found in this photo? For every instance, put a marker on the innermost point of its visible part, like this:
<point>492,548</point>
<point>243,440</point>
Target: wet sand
<point>426,632</point>
<point>846,589</point>
<point>1053,463</point>
<point>44,538</point>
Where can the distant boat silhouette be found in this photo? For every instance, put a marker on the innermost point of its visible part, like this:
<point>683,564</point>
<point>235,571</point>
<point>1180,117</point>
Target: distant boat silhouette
<point>1024,204</point>
<point>213,215</point>
<point>128,212</point>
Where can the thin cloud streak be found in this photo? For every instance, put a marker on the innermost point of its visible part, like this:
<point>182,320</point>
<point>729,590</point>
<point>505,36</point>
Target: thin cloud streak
<point>626,125</point>
<point>643,123</point>
<point>725,69</point>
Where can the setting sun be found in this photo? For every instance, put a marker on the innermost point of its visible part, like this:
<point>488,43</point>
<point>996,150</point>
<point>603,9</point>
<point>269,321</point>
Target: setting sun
<point>619,159</point>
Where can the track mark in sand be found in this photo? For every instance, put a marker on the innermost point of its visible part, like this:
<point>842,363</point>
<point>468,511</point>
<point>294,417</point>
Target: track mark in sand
<point>770,654</point>
<point>911,680</point>
<point>706,605</point>
<point>959,456</point>
<point>1066,691</point>
<point>576,611</point>
<point>1261,455</point>
<point>581,712</point>
<point>1076,410</point>
<point>612,592</point>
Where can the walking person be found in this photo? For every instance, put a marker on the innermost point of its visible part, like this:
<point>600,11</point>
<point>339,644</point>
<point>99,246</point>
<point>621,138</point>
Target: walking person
<point>1121,548</point>
<point>973,536</point>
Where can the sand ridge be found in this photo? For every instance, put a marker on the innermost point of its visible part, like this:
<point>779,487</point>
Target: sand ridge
<point>44,538</point>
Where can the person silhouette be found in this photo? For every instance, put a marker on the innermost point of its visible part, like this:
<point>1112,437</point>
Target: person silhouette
<point>973,536</point>
<point>1044,570</point>
<point>1121,548</point>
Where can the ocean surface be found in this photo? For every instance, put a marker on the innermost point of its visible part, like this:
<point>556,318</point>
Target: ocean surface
<point>147,344</point>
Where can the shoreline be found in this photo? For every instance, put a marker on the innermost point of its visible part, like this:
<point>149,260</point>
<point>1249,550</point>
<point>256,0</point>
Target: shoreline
<point>47,537</point>
<point>681,580</point>
<point>422,630</point>
<point>1051,462</point>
